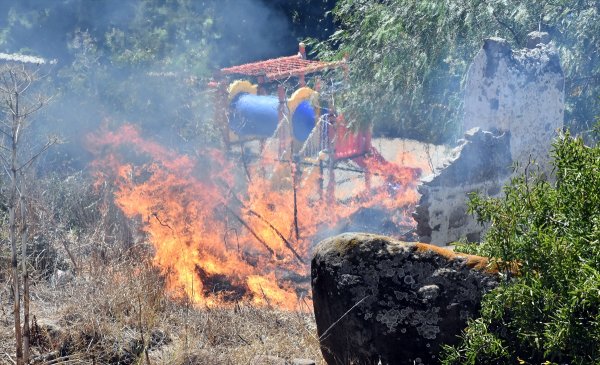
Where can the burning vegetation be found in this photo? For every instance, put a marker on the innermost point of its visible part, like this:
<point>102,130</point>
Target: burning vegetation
<point>173,218</point>
<point>222,235</point>
<point>238,223</point>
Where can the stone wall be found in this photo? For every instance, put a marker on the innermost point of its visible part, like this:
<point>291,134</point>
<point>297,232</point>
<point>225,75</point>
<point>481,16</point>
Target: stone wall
<point>521,92</point>
<point>515,100</point>
<point>481,163</point>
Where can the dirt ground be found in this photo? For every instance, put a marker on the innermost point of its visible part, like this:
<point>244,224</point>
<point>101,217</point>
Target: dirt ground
<point>428,158</point>
<point>411,153</point>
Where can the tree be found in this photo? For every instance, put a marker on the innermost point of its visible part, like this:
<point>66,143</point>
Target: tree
<point>408,57</point>
<point>18,102</point>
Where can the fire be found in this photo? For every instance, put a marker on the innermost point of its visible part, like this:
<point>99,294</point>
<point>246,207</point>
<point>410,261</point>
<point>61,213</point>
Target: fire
<point>218,240</point>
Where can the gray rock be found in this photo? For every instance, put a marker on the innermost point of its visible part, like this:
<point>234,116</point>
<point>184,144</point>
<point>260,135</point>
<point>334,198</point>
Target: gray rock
<point>482,162</point>
<point>517,91</point>
<point>380,299</point>
<point>517,98</point>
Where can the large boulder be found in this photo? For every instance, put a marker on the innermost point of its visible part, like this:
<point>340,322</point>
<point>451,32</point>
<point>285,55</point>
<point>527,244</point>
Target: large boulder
<point>380,299</point>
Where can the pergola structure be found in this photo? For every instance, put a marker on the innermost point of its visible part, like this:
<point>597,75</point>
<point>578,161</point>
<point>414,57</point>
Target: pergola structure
<point>281,68</point>
<point>277,71</point>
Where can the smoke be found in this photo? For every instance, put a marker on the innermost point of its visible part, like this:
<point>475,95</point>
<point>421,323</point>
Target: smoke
<point>143,62</point>
<point>132,76</point>
<point>248,31</point>
<point>45,28</point>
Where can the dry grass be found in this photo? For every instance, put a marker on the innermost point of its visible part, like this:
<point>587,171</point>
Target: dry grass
<point>119,314</point>
<point>114,310</point>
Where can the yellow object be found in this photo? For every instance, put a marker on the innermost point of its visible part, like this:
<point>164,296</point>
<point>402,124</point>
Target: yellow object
<point>302,94</point>
<point>241,86</point>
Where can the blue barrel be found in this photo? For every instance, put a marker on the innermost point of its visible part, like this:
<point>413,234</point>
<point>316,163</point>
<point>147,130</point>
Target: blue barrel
<point>257,115</point>
<point>254,115</point>
<point>303,120</point>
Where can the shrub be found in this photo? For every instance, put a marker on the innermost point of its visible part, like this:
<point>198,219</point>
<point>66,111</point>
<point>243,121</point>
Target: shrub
<point>550,228</point>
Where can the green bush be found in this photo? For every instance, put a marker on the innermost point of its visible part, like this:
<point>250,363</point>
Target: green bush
<point>547,309</point>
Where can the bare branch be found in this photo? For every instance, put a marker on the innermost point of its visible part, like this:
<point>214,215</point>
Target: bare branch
<point>48,144</point>
<point>243,223</point>
<point>326,332</point>
<point>265,221</point>
<point>15,82</point>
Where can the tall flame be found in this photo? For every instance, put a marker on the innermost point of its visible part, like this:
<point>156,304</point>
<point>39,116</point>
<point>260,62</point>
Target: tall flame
<point>219,240</point>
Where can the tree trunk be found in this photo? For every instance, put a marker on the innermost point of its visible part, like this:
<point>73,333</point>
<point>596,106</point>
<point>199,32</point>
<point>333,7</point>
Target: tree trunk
<point>16,126</point>
<point>14,82</point>
<point>25,277</point>
<point>13,245</point>
<point>16,284</point>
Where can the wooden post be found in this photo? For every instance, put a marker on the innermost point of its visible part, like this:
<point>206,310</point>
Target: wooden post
<point>295,178</point>
<point>302,50</point>
<point>280,116</point>
<point>221,113</point>
<point>321,179</point>
<point>331,165</point>
<point>331,134</point>
<point>261,86</point>
<point>302,54</point>
<point>331,183</point>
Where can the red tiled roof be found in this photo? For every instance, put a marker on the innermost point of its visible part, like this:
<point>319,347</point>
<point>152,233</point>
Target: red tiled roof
<point>279,68</point>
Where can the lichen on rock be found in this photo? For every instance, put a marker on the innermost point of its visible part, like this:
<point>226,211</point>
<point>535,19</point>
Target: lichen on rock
<point>379,299</point>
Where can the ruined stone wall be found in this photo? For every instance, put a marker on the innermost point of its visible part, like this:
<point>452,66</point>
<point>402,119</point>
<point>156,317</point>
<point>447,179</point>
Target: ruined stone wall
<point>521,92</point>
<point>516,100</point>
<point>481,163</point>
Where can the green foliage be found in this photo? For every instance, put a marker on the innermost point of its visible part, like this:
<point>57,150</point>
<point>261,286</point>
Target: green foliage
<point>408,57</point>
<point>485,348</point>
<point>548,308</point>
<point>172,35</point>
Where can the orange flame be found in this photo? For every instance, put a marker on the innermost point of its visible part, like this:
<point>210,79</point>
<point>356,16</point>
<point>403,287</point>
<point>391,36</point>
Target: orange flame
<point>217,242</point>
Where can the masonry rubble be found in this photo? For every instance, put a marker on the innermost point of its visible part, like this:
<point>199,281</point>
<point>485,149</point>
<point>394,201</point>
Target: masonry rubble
<point>513,108</point>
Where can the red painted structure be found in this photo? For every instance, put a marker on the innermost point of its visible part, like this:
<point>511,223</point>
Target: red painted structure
<point>348,144</point>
